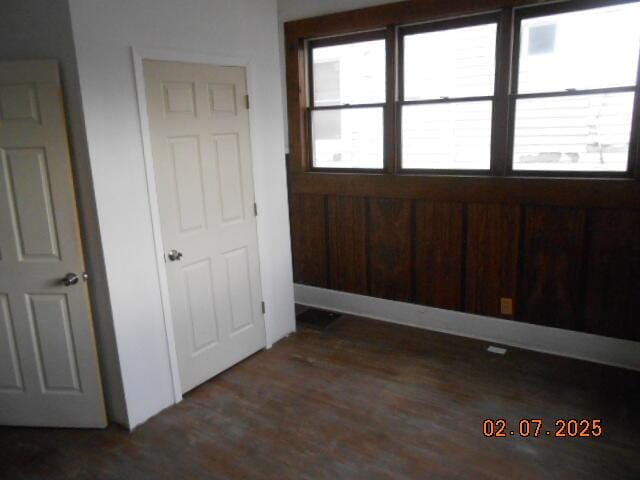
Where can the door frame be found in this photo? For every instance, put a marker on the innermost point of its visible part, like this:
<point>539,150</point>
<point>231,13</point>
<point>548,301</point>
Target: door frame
<point>137,56</point>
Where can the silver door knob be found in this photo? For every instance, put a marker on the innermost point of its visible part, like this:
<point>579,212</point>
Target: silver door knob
<point>174,255</point>
<point>70,279</point>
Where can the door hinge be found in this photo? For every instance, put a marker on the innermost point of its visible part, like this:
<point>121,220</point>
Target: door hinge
<point>246,101</point>
<point>255,209</point>
<point>264,309</point>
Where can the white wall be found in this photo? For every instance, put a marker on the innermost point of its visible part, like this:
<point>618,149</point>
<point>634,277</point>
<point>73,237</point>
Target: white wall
<point>41,29</point>
<point>103,34</point>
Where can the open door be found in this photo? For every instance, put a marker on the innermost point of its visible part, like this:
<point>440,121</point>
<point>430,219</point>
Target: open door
<point>49,372</point>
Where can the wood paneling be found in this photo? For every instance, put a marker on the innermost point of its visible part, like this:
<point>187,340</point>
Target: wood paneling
<point>491,257</point>
<point>308,239</point>
<point>390,255</point>
<point>552,267</point>
<point>347,217</point>
<point>439,251</point>
<point>573,192</point>
<point>524,237</point>
<point>564,271</point>
<point>613,274</point>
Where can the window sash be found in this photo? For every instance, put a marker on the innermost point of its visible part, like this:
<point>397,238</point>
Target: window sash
<point>470,169</point>
<point>373,106</point>
<point>440,26</point>
<point>504,100</point>
<point>524,13</point>
<point>437,26</point>
<point>333,42</point>
<point>336,41</point>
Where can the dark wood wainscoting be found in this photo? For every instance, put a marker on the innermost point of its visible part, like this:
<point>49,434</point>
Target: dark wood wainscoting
<point>564,266</point>
<point>559,249</point>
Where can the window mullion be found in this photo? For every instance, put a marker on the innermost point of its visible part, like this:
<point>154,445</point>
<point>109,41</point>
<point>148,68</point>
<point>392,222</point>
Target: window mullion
<point>500,124</point>
<point>634,146</point>
<point>390,130</point>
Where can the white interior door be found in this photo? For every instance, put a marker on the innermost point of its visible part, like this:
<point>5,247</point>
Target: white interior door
<point>199,126</point>
<point>48,365</point>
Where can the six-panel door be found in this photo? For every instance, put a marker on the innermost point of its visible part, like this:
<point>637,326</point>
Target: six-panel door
<point>48,364</point>
<point>199,126</point>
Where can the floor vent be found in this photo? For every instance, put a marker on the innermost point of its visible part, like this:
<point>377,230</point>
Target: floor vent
<point>316,318</point>
<point>496,350</point>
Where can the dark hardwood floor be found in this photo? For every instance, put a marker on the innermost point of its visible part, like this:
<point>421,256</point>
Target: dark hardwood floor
<point>360,400</point>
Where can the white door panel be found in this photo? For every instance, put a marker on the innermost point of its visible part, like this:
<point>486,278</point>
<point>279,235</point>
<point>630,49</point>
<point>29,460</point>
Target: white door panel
<point>10,373</point>
<point>200,139</point>
<point>48,364</point>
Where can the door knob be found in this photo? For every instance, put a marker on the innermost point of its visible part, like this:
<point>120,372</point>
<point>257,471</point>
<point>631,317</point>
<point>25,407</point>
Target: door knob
<point>174,255</point>
<point>70,279</point>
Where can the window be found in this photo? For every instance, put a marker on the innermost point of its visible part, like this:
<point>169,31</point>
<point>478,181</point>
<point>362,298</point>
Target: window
<point>575,84</point>
<point>537,90</point>
<point>447,96</point>
<point>347,103</point>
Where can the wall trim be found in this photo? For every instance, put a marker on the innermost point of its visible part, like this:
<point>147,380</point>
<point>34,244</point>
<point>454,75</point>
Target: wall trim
<point>583,346</point>
<point>137,56</point>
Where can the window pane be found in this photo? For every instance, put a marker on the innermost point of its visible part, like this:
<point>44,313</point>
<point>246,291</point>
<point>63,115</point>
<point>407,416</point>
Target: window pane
<point>447,135</point>
<point>577,133</point>
<point>353,73</point>
<point>588,49</point>
<point>348,138</point>
<point>450,63</point>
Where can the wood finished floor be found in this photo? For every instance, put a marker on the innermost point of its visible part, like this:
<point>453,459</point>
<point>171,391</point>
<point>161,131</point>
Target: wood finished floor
<point>360,400</point>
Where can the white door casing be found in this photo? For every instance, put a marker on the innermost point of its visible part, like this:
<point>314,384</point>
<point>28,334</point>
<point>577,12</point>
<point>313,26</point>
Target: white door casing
<point>199,129</point>
<point>49,373</point>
